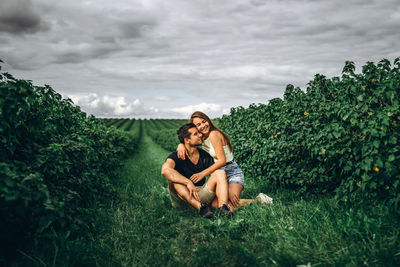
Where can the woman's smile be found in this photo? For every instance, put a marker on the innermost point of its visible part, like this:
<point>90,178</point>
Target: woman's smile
<point>202,125</point>
<point>204,129</point>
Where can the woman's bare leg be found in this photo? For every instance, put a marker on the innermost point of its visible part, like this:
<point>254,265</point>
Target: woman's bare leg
<point>236,189</point>
<point>218,184</point>
<point>233,189</point>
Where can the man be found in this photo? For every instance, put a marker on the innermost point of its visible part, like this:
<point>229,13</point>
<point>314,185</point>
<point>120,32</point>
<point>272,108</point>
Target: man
<point>200,194</point>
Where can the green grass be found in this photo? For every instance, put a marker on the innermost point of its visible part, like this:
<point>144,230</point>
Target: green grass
<point>141,228</point>
<point>146,230</point>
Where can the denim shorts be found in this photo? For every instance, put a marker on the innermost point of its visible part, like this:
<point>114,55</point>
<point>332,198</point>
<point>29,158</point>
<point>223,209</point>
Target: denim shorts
<point>233,173</point>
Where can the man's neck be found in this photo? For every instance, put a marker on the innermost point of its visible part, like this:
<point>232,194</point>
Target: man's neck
<point>191,149</point>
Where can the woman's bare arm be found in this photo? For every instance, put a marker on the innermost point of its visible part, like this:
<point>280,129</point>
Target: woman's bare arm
<point>181,150</point>
<point>216,140</point>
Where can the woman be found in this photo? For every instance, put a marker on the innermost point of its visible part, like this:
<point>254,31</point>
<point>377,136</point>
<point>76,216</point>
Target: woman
<point>219,146</point>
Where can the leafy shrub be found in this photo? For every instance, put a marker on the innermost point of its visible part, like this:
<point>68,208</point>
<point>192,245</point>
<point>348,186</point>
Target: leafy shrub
<point>341,136</point>
<point>130,125</point>
<point>163,132</point>
<point>55,163</point>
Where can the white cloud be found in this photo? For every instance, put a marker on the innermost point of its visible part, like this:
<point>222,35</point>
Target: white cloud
<point>162,98</point>
<point>226,111</point>
<point>204,107</point>
<point>106,105</point>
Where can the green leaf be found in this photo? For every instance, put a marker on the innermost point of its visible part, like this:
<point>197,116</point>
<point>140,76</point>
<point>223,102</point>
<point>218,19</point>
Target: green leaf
<point>374,132</point>
<point>379,163</point>
<point>336,134</point>
<point>373,185</point>
<point>393,140</point>
<point>353,121</point>
<point>376,143</point>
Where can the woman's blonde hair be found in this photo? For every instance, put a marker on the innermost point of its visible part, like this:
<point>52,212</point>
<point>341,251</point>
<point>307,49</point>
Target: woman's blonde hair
<point>201,115</point>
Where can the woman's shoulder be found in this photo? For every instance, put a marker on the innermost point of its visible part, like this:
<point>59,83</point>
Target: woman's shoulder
<point>215,134</point>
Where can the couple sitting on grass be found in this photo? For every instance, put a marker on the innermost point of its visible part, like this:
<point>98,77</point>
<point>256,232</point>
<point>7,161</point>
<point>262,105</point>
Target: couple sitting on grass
<point>187,168</point>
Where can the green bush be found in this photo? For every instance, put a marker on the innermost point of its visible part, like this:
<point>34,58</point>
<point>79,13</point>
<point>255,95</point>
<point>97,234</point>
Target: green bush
<point>164,134</point>
<point>342,136</point>
<point>55,163</point>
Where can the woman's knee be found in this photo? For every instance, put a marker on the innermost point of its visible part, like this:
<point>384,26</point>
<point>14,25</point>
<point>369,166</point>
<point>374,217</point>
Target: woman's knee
<point>217,176</point>
<point>235,188</point>
<point>220,175</point>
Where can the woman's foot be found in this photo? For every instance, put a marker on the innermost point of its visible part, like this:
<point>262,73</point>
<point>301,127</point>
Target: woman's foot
<point>264,199</point>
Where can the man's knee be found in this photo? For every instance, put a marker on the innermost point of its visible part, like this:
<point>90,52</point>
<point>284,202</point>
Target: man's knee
<point>179,188</point>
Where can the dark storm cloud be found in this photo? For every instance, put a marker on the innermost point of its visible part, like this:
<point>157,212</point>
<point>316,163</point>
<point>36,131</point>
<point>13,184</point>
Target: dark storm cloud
<point>18,65</point>
<point>71,57</point>
<point>18,17</point>
<point>4,40</point>
<point>104,37</point>
<point>135,29</point>
<point>95,52</point>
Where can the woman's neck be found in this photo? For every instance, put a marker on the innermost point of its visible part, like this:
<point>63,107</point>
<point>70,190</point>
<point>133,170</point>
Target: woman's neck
<point>205,136</point>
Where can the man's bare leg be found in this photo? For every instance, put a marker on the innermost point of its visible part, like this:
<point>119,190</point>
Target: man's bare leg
<point>218,184</point>
<point>183,191</point>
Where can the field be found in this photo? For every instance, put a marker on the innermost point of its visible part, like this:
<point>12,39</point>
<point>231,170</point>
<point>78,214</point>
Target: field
<point>123,216</point>
<point>142,229</point>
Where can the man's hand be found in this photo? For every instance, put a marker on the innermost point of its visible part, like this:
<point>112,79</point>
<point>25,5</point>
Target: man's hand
<point>193,191</point>
<point>234,199</point>
<point>197,177</point>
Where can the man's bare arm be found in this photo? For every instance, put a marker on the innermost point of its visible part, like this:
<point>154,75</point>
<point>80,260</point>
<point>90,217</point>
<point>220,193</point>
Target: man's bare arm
<point>169,172</point>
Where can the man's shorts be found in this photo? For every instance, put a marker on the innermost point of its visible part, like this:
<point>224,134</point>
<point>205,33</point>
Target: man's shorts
<point>206,196</point>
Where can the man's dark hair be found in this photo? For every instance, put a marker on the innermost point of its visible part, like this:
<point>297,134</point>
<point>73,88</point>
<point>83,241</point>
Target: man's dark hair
<point>183,132</point>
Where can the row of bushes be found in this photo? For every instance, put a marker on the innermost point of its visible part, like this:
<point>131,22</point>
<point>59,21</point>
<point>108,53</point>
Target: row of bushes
<point>56,163</point>
<point>341,136</point>
<point>164,134</point>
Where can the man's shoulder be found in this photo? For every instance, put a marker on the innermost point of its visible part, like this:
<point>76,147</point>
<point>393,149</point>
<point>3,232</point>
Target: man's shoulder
<point>173,155</point>
<point>203,153</point>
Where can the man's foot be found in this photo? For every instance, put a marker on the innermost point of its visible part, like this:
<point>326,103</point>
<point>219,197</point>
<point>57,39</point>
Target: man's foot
<point>205,212</point>
<point>264,199</point>
<point>224,211</point>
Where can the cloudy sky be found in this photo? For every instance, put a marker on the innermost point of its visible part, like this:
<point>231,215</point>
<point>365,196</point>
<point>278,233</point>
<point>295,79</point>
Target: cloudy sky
<point>167,58</point>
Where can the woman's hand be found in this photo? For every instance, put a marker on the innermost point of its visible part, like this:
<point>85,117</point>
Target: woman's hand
<point>197,177</point>
<point>234,199</point>
<point>181,151</point>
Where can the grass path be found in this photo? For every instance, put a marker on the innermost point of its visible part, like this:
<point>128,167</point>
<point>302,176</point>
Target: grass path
<point>142,229</point>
